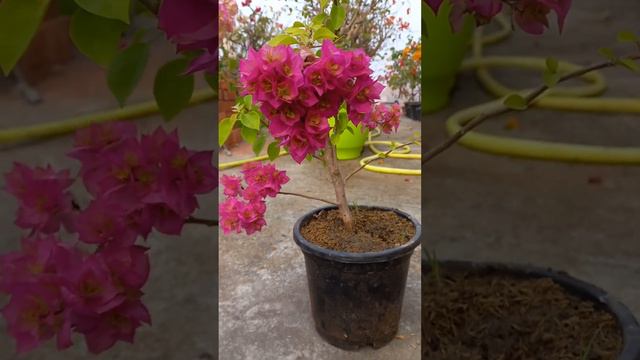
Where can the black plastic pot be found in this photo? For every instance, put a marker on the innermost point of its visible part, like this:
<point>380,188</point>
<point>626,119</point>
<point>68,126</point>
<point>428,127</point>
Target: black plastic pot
<point>356,298</point>
<point>627,322</point>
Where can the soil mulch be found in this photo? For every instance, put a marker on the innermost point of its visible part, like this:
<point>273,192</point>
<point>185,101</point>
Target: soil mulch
<point>374,230</point>
<point>502,317</point>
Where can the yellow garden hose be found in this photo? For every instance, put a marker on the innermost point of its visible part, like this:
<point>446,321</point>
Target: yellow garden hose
<point>69,125</point>
<point>560,98</point>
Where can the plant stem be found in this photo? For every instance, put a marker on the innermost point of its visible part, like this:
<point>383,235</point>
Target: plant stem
<point>382,155</point>
<point>307,197</point>
<point>338,185</point>
<point>207,222</point>
<point>534,95</point>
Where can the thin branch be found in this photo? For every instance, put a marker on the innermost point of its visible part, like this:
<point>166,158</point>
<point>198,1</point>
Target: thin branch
<point>151,5</point>
<point>307,197</point>
<point>207,222</point>
<point>534,95</point>
<point>381,155</point>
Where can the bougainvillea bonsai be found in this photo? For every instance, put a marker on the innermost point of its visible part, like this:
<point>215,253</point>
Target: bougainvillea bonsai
<point>91,283</point>
<point>303,88</point>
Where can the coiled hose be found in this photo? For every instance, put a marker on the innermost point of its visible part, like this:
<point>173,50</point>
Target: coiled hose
<point>565,98</point>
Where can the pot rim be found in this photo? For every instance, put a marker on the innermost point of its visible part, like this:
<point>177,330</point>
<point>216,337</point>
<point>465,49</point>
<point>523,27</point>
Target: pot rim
<point>627,322</point>
<point>356,258</point>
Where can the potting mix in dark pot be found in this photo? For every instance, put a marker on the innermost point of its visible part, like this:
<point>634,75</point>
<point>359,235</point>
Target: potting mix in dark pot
<point>503,311</point>
<point>357,257</point>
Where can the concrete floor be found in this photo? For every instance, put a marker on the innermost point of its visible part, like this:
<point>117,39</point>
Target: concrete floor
<point>182,290</point>
<point>264,301</point>
<point>485,207</point>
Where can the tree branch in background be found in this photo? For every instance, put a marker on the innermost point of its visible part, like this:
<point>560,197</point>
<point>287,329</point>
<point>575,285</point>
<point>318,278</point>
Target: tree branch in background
<point>307,197</point>
<point>195,220</point>
<point>529,99</point>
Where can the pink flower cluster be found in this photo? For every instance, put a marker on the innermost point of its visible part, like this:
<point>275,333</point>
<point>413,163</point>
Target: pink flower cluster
<point>245,206</point>
<point>137,185</point>
<point>298,92</point>
<point>387,118</point>
<point>530,15</point>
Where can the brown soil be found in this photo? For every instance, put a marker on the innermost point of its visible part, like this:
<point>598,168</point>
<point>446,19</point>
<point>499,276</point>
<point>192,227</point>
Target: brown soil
<point>500,317</point>
<point>374,230</point>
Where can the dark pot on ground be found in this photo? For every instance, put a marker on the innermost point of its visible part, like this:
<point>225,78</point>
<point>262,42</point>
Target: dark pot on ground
<point>412,110</point>
<point>628,325</point>
<point>356,298</point>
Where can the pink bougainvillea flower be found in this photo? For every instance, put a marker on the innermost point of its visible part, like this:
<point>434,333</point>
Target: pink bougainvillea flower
<point>129,266</point>
<point>34,315</point>
<point>103,330</point>
<point>232,185</point>
<point>366,90</point>
<point>88,287</point>
<point>45,202</point>
<point>192,25</point>
<point>229,220</point>
<point>531,15</point>
<point>102,222</point>
<point>201,175</point>
<point>93,140</point>
<point>316,123</point>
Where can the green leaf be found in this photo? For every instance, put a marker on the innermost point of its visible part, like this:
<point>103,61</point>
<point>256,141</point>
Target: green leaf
<point>552,65</point>
<point>630,64</point>
<point>319,19</point>
<point>251,120</point>
<point>550,79</point>
<point>608,53</point>
<point>297,24</point>
<point>337,16</point>
<point>273,150</point>
<point>110,9</point>
<point>282,39</point>
<point>323,4</point>
<point>19,21</point>
<point>248,101</point>
<point>258,144</point>
<point>126,70</point>
<point>249,135</point>
<point>224,128</point>
<point>96,37</point>
<point>627,36</point>
<point>297,31</point>
<point>212,80</point>
<point>323,33</point>
<point>172,89</point>
<point>515,102</point>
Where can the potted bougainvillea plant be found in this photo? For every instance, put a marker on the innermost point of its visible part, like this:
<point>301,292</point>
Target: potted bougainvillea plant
<point>356,258</point>
<point>503,311</point>
<point>82,267</point>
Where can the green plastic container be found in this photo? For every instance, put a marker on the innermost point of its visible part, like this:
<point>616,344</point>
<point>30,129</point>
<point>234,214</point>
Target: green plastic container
<point>349,146</point>
<point>442,55</point>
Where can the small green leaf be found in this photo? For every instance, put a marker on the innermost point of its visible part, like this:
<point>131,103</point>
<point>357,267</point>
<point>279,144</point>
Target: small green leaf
<point>336,19</point>
<point>552,65</point>
<point>630,64</point>
<point>224,128</point>
<point>282,39</point>
<point>297,24</point>
<point>126,70</point>
<point>627,36</point>
<point>251,120</point>
<point>110,9</point>
<point>258,144</point>
<point>323,33</point>
<point>309,157</point>
<point>19,21</point>
<point>96,37</point>
<point>515,102</point>
<point>319,19</point>
<point>296,31</point>
<point>249,135</point>
<point>248,101</point>
<point>323,4</point>
<point>273,150</point>
<point>550,79</point>
<point>608,53</point>
<point>173,88</point>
